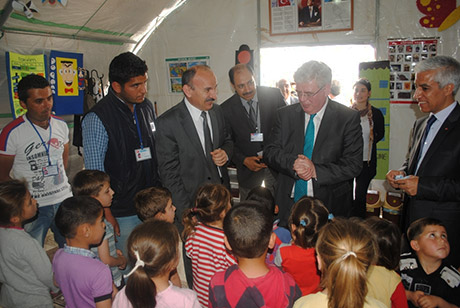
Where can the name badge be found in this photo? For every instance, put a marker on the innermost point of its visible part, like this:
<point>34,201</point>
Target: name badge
<point>257,137</point>
<point>152,126</point>
<point>143,154</point>
<point>51,170</point>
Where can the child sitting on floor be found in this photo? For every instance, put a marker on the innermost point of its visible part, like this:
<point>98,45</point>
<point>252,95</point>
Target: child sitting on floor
<point>307,217</point>
<point>84,280</point>
<point>251,283</point>
<point>345,251</point>
<point>429,280</point>
<point>264,196</point>
<point>156,202</point>
<point>383,283</point>
<point>204,237</point>
<point>25,269</point>
<point>96,184</point>
<point>153,254</point>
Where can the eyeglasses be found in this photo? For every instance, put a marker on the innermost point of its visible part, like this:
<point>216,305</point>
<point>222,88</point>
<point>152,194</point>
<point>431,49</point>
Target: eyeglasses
<point>308,95</point>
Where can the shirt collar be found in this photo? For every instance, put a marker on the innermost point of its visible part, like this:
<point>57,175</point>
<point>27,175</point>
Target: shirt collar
<point>79,251</point>
<point>194,112</point>
<point>442,115</point>
<point>254,99</point>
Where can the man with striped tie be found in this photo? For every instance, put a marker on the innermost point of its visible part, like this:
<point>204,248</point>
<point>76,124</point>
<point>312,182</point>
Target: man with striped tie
<point>431,173</point>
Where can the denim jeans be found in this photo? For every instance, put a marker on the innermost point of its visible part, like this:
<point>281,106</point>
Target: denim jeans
<point>38,227</point>
<point>127,224</point>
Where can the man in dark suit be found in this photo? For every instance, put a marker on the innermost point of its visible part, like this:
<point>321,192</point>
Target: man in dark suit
<point>250,136</point>
<point>310,15</point>
<point>316,145</point>
<point>433,162</point>
<point>193,144</point>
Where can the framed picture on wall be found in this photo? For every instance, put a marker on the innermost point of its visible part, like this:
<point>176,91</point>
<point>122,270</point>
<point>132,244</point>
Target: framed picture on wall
<point>176,66</point>
<point>310,16</point>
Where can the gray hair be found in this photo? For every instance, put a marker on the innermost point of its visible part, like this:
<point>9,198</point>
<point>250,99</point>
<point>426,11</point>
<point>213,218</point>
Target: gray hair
<point>448,70</point>
<point>314,70</point>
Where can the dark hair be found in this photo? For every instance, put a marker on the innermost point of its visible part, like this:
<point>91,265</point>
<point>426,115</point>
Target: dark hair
<point>248,228</point>
<point>211,201</point>
<point>417,227</point>
<point>151,201</point>
<point>30,82</point>
<point>188,75</point>
<point>126,66</point>
<point>75,211</point>
<point>364,82</point>
<point>237,68</point>
<point>156,242</point>
<point>13,194</point>
<point>263,196</point>
<point>388,238</point>
<point>308,215</point>
<point>346,250</point>
<point>89,182</point>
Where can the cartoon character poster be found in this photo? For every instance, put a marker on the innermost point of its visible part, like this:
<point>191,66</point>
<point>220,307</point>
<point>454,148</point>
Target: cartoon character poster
<point>68,96</point>
<point>18,66</point>
<point>177,66</point>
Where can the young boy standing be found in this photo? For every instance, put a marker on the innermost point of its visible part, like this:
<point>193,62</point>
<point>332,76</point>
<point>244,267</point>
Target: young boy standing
<point>251,283</point>
<point>427,277</point>
<point>84,280</point>
<point>156,203</point>
<point>96,184</point>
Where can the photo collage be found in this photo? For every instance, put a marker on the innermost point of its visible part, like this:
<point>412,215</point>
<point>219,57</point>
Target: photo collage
<point>403,56</point>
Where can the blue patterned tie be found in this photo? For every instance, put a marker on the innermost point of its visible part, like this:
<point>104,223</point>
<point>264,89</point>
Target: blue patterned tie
<point>301,187</point>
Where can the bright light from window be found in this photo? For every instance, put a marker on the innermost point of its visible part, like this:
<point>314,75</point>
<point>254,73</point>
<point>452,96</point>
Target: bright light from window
<point>282,62</point>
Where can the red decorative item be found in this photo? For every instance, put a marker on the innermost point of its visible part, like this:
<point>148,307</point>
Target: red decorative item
<point>436,11</point>
<point>284,3</point>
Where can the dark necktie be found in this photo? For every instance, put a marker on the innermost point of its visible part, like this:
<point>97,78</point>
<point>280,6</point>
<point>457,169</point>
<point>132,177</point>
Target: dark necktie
<point>252,114</point>
<point>429,123</point>
<point>301,186</point>
<point>208,146</point>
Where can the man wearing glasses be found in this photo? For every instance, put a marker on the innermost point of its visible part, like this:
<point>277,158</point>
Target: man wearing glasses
<point>316,145</point>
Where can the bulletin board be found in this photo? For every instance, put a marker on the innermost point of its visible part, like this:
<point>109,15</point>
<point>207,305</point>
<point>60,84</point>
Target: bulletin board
<point>403,55</point>
<point>310,16</point>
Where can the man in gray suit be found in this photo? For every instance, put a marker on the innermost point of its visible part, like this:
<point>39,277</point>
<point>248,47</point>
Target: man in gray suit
<point>193,143</point>
<point>316,145</point>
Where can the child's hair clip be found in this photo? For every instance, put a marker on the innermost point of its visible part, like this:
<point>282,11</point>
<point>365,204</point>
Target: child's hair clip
<point>330,217</point>
<point>303,223</point>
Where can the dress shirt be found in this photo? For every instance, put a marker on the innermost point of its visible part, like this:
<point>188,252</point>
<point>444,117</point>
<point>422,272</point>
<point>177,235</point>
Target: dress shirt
<point>195,113</point>
<point>255,104</point>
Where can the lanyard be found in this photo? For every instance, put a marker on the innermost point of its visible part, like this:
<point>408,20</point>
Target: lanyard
<point>138,128</point>
<point>47,148</point>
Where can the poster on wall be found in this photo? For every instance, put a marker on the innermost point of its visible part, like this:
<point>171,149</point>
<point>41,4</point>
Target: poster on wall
<point>18,66</point>
<point>64,79</point>
<point>378,73</point>
<point>310,16</point>
<point>403,55</point>
<point>176,66</point>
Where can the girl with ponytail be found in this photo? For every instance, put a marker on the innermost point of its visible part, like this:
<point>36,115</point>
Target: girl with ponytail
<point>153,254</point>
<point>345,251</point>
<point>298,258</point>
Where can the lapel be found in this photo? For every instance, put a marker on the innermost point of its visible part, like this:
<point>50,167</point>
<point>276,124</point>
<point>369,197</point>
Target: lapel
<point>444,130</point>
<point>324,130</point>
<point>263,103</point>
<point>415,153</point>
<point>298,122</point>
<point>215,128</point>
<point>185,119</point>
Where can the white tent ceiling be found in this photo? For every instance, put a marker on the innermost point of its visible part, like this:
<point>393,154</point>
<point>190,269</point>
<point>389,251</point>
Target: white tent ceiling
<point>105,21</point>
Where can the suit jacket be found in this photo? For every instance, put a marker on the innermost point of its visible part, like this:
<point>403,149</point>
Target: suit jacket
<point>270,99</point>
<point>181,160</point>
<point>438,192</point>
<point>337,155</point>
<point>306,17</point>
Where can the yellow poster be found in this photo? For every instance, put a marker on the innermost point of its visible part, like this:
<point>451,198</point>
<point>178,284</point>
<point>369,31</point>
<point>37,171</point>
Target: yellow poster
<point>67,76</point>
<point>19,66</point>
